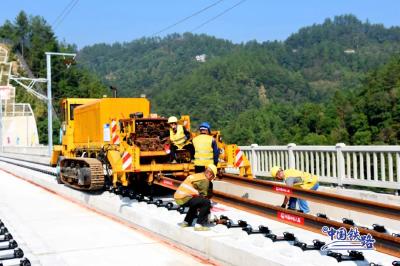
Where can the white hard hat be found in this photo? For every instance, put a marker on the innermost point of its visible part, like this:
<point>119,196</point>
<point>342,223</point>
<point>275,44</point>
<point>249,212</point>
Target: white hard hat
<point>213,169</point>
<point>172,119</point>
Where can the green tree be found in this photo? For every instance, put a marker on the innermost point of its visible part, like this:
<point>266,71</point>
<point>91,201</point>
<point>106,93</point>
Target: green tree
<point>22,31</point>
<point>32,37</point>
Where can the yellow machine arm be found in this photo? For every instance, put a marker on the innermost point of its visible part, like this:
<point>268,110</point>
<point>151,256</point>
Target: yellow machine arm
<point>235,158</point>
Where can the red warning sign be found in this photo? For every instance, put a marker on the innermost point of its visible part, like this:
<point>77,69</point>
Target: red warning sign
<point>238,158</point>
<point>283,190</point>
<point>217,209</point>
<point>167,182</point>
<point>290,218</point>
<point>126,161</point>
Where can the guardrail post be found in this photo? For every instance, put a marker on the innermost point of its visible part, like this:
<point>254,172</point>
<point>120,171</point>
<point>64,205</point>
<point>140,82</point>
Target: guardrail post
<point>292,159</point>
<point>341,169</point>
<point>254,161</point>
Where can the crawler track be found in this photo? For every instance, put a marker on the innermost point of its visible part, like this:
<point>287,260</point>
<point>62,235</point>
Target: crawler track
<point>96,175</point>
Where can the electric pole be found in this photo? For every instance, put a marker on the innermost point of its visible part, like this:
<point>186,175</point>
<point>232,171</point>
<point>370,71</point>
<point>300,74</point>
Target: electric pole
<point>49,97</point>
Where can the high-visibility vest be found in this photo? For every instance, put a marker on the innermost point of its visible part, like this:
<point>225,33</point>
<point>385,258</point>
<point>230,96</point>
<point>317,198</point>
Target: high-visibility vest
<point>204,154</point>
<point>186,190</point>
<point>308,180</point>
<point>178,138</point>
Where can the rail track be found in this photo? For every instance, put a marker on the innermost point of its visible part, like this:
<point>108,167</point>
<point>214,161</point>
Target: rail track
<point>35,166</point>
<point>364,206</point>
<point>385,242</point>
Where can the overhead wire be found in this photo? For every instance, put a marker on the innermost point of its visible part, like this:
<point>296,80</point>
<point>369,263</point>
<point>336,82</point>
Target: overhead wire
<point>62,12</point>
<point>186,18</point>
<point>66,14</point>
<point>218,15</point>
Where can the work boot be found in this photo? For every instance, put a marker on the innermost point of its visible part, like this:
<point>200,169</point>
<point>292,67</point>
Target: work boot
<point>212,219</point>
<point>199,227</point>
<point>183,224</point>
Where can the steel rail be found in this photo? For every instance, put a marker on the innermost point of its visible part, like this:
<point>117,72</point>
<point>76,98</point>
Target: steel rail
<point>30,167</point>
<point>385,243</point>
<point>24,160</point>
<point>364,206</point>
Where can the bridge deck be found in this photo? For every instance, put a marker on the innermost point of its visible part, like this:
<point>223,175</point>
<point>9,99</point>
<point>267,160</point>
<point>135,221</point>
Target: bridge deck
<point>230,246</point>
<point>59,232</point>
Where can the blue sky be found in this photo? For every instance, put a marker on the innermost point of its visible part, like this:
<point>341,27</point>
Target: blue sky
<point>98,21</point>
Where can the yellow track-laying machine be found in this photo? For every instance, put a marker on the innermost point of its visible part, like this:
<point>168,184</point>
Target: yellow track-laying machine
<point>118,142</point>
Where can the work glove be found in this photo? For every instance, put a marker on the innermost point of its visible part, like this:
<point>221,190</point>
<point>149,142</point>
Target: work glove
<point>221,171</point>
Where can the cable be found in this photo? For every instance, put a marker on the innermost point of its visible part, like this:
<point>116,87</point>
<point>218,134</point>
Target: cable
<point>186,18</point>
<point>217,16</point>
<point>62,12</point>
<point>66,14</point>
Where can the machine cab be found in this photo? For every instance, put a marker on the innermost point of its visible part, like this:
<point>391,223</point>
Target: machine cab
<point>68,106</point>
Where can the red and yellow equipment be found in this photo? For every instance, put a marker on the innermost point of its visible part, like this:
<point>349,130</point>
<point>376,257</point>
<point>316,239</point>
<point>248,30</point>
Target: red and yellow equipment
<point>117,141</point>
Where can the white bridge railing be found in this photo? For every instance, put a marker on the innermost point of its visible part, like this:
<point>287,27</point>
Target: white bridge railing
<point>372,166</point>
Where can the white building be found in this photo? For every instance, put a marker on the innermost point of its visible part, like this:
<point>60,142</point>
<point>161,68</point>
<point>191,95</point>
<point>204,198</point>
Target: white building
<point>17,121</point>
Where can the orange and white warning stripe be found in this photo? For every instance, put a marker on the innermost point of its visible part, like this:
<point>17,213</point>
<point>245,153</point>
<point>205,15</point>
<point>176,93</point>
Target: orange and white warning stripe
<point>114,133</point>
<point>126,161</point>
<point>238,158</point>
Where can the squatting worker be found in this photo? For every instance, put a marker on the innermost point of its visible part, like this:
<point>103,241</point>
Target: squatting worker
<point>205,148</point>
<point>195,192</point>
<point>295,178</point>
<point>180,137</point>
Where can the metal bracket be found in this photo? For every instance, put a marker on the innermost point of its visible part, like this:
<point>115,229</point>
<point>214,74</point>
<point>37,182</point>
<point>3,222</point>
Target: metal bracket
<point>353,255</point>
<point>379,228</point>
<point>29,87</point>
<point>322,215</point>
<point>286,237</point>
<point>3,230</point>
<point>8,245</point>
<point>348,221</point>
<point>240,224</point>
<point>317,244</point>
<point>261,230</point>
<point>5,237</point>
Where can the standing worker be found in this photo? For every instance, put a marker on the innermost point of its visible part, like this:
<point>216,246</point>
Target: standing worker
<point>195,192</point>
<point>295,178</point>
<point>180,137</point>
<point>205,147</point>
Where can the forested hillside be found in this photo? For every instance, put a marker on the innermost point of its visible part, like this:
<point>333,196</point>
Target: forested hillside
<point>368,115</point>
<point>302,90</point>
<point>149,65</point>
<point>32,36</point>
<point>332,82</point>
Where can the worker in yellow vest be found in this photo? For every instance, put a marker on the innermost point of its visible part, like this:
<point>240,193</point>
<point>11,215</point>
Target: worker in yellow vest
<point>295,178</point>
<point>195,192</point>
<point>205,148</point>
<point>179,137</point>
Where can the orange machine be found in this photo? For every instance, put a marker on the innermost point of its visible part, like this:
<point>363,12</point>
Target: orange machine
<point>118,142</point>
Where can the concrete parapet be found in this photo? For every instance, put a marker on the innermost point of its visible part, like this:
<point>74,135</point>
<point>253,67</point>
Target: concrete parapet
<point>26,150</point>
